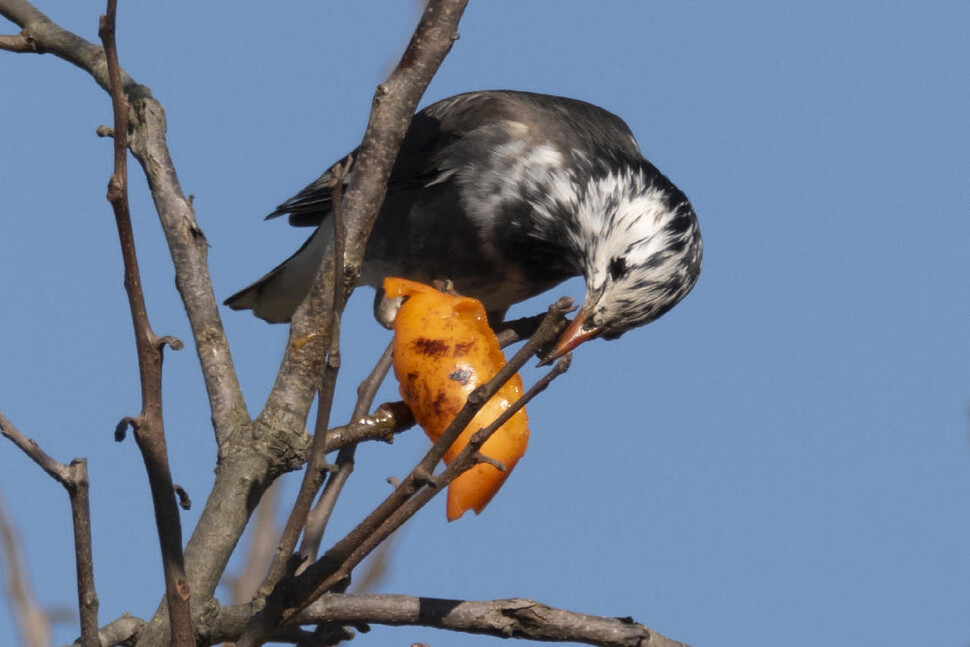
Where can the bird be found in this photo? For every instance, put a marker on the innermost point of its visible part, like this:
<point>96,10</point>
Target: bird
<point>507,194</point>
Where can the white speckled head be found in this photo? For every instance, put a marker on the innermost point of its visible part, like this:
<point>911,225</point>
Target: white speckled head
<point>641,247</point>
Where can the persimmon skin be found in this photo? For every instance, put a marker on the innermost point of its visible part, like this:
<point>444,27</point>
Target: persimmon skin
<point>443,350</point>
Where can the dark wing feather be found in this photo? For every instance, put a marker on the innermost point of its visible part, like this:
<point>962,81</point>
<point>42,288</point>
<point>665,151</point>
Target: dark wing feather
<point>428,154</point>
<point>415,166</point>
<point>308,207</point>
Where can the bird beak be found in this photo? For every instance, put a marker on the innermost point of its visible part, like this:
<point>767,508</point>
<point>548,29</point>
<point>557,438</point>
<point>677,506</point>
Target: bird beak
<point>577,332</point>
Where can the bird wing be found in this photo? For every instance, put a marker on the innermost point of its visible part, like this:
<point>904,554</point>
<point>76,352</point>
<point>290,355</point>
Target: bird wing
<point>419,163</point>
<point>445,135</point>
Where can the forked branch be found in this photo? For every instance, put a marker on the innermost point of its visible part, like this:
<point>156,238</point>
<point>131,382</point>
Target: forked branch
<point>245,470</point>
<point>417,488</point>
<point>74,478</point>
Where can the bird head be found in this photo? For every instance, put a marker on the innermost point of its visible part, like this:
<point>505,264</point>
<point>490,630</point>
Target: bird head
<point>641,248</point>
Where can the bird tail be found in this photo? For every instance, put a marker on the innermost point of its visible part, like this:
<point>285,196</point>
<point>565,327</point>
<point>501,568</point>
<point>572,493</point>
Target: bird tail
<point>276,296</point>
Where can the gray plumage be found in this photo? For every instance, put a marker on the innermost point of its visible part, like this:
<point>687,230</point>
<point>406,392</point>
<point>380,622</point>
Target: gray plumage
<point>508,194</point>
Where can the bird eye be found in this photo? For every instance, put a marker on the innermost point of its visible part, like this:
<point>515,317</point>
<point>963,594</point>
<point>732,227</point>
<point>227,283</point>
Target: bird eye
<point>617,268</point>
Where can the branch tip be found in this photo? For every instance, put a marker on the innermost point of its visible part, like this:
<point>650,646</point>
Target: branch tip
<point>482,458</point>
<point>18,43</point>
<point>423,477</point>
<point>185,502</point>
<point>122,427</point>
<point>172,342</point>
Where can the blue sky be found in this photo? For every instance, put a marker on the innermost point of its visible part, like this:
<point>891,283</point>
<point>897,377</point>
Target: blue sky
<point>784,454</point>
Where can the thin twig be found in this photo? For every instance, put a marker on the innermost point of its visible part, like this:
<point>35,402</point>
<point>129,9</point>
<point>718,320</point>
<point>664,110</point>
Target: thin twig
<point>470,455</point>
<point>367,389</point>
<point>412,493</point>
<point>284,414</point>
<point>74,478</point>
<point>58,471</point>
<point>185,239</point>
<point>388,419</point>
<point>148,425</point>
<point>549,327</point>
<point>332,576</point>
<point>394,103</point>
<point>87,595</point>
<point>314,474</point>
<point>239,481</point>
<point>320,515</point>
<point>316,519</point>
<point>509,332</point>
<point>392,419</point>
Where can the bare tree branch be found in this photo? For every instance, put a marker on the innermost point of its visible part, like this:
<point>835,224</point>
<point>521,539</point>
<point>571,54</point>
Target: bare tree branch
<point>252,453</point>
<point>468,457</point>
<point>58,471</point>
<point>394,103</point>
<point>185,239</point>
<point>335,566</point>
<point>388,419</point>
<point>280,423</point>
<point>46,37</point>
<point>262,450</point>
<point>313,475</point>
<point>74,478</point>
<point>320,515</point>
<point>16,43</point>
<point>256,458</point>
<point>315,521</point>
<point>87,595</point>
<point>512,618</point>
<point>148,426</point>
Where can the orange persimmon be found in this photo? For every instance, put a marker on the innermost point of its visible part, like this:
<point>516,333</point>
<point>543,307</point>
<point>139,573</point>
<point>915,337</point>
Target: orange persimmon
<point>443,350</point>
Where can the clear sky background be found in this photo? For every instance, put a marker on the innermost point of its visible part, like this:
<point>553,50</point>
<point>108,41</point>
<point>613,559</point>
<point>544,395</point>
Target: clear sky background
<point>781,459</point>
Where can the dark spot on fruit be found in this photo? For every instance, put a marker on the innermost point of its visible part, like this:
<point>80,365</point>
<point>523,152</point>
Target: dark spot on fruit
<point>462,348</point>
<point>430,347</point>
<point>461,375</point>
<point>407,392</point>
<point>439,402</point>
